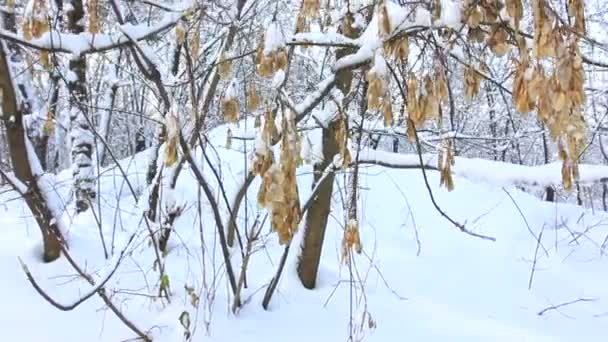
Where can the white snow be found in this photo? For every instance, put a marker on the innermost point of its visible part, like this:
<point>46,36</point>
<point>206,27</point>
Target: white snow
<point>459,288</point>
<point>85,42</point>
<point>492,172</point>
<point>273,39</point>
<point>450,14</point>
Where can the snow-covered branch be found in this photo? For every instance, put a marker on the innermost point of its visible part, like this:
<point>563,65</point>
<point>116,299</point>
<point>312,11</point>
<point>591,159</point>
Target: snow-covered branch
<point>86,42</point>
<point>322,39</point>
<point>493,172</point>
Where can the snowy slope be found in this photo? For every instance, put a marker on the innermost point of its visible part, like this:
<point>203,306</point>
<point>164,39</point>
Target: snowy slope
<point>459,288</point>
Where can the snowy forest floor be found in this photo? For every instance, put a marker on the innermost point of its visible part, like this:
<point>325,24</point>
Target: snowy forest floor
<point>423,279</point>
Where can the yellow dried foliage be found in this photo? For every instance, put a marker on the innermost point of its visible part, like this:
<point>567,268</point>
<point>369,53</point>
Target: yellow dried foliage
<point>351,240</point>
<point>475,18</point>
<point>543,30</point>
<point>302,24</point>
<point>476,35</point>
<point>376,90</point>
<point>279,191</point>
<point>413,107</point>
<point>445,161</point>
<point>397,48</point>
<point>310,9</point>
<point>341,135</point>
<point>263,157</point>
<point>441,85</point>
<point>387,112</point>
<point>384,21</point>
<point>35,20</point>
<point>253,100</point>
<point>521,95</point>
<point>45,60</point>
<point>497,40</point>
<point>94,24</point>
<point>428,101</point>
<point>515,10</point>
<point>268,64</point>
<point>576,9</point>
<point>195,42</point>
<point>173,131</point>
<point>180,33</point>
<point>49,124</point>
<point>472,81</point>
<point>230,109</point>
<point>224,67</point>
<point>490,10</point>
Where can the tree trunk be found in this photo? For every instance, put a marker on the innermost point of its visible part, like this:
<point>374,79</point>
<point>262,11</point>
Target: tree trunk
<point>316,216</point>
<point>549,190</point>
<point>15,132</point>
<point>81,135</point>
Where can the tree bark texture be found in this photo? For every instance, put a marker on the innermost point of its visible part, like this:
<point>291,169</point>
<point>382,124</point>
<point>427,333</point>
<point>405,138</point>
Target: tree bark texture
<point>316,216</point>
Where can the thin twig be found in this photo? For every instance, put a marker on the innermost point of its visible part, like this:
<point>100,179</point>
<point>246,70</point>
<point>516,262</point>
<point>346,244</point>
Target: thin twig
<point>555,307</point>
<point>430,191</point>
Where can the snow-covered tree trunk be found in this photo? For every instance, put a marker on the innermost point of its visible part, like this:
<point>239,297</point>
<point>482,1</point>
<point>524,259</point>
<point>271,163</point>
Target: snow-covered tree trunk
<point>81,135</point>
<point>317,215</point>
<point>12,115</point>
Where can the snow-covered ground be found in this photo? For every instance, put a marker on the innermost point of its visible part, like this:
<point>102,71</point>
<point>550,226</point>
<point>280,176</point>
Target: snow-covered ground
<point>448,287</point>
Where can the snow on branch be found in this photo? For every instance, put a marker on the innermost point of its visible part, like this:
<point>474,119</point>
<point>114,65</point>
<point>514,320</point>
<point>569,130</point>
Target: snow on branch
<point>322,39</point>
<point>86,42</point>
<point>493,172</point>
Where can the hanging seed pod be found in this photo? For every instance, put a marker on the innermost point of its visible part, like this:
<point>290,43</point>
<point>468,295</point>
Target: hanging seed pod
<point>35,19</point>
<point>430,102</point>
<point>491,9</point>
<point>377,83</point>
<point>180,33</point>
<point>341,134</point>
<point>253,101</point>
<point>413,106</point>
<point>515,10</point>
<point>445,161</point>
<point>351,240</point>
<point>397,48</point>
<point>521,97</point>
<point>384,21</point>
<point>498,40</point>
<point>173,131</point>
<point>436,9</point>
<point>45,59</point>
<point>476,35</point>
<point>224,67</point>
<point>441,84</point>
<point>536,85</point>
<point>49,124</point>
<point>271,55</point>
<point>543,30</point>
<point>576,9</point>
<point>302,24</point>
<point>94,24</point>
<point>475,18</point>
<point>567,175</point>
<point>410,130</point>
<point>387,112</point>
<point>310,9</point>
<point>472,81</point>
<point>230,104</point>
<point>195,43</point>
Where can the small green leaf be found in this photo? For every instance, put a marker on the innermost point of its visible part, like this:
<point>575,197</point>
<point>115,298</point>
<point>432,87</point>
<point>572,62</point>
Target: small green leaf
<point>164,282</point>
